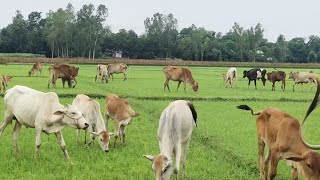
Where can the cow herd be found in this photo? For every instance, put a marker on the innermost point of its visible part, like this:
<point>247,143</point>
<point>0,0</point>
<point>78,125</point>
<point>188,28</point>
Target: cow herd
<point>277,130</point>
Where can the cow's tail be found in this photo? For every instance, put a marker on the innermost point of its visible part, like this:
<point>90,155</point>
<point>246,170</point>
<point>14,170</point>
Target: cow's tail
<point>247,108</point>
<point>194,113</point>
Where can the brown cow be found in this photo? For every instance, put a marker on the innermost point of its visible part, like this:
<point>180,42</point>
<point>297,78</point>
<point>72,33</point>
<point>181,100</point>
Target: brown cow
<point>4,80</point>
<point>179,74</point>
<point>65,72</point>
<point>275,76</point>
<point>120,111</point>
<point>37,67</point>
<point>282,133</point>
<point>116,69</point>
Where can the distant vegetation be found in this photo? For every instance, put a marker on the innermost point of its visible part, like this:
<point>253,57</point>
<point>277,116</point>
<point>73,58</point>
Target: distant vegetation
<point>21,55</point>
<point>84,33</point>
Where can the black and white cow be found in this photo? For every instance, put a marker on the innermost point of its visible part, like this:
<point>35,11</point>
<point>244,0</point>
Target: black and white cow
<point>254,74</point>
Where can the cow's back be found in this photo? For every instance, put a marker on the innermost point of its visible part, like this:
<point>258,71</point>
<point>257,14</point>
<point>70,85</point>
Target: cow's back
<point>89,107</point>
<point>174,72</point>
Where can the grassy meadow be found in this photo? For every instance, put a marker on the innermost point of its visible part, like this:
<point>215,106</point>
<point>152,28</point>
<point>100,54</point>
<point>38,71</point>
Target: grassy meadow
<point>223,146</point>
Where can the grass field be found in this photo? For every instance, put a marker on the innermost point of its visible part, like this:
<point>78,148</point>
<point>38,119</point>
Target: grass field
<point>223,146</point>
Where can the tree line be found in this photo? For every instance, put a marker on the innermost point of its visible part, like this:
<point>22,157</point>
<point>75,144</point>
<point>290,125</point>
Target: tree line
<point>67,33</point>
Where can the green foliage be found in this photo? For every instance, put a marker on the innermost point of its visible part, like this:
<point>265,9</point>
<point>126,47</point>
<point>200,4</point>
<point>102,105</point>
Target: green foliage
<point>20,55</point>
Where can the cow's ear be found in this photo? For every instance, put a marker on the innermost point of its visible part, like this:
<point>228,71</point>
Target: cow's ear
<point>60,112</point>
<point>95,133</point>
<point>150,157</point>
<point>295,158</point>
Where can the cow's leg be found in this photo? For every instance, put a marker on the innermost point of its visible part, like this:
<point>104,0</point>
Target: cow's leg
<point>166,84</point>
<point>275,157</point>
<point>15,135</point>
<point>38,141</point>
<point>249,83</point>
<point>293,87</point>
<point>273,86</point>
<point>125,76</point>
<point>185,147</point>
<point>261,146</point>
<point>76,82</point>
<point>179,82</point>
<point>95,79</point>
<point>62,144</point>
<point>255,83</point>
<point>123,133</point>
<point>294,174</point>
<point>116,133</point>
<point>184,86</point>
<point>7,120</point>
<point>177,154</point>
<point>266,165</point>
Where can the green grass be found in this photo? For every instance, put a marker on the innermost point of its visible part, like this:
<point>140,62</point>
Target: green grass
<point>223,146</point>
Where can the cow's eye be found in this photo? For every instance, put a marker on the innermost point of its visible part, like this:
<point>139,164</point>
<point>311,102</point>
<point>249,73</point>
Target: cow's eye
<point>101,139</point>
<point>309,165</point>
<point>73,113</point>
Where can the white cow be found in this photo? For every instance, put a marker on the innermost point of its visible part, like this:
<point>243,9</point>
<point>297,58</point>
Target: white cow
<point>116,69</point>
<point>91,111</point>
<point>102,71</point>
<point>42,111</point>
<point>174,134</point>
<point>231,76</point>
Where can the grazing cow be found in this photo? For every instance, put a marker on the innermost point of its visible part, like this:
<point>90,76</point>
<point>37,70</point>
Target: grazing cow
<point>302,77</point>
<point>116,69</point>
<point>42,111</point>
<point>4,82</point>
<point>174,134</point>
<point>277,76</point>
<point>254,74</point>
<point>37,67</point>
<point>282,133</point>
<point>231,76</point>
<point>179,74</point>
<point>65,72</point>
<point>120,111</point>
<point>91,111</point>
<point>102,71</point>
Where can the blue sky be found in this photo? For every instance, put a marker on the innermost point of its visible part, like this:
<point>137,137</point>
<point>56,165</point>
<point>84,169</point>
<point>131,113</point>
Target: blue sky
<point>293,18</point>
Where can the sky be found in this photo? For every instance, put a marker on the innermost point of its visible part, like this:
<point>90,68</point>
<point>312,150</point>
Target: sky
<point>292,18</point>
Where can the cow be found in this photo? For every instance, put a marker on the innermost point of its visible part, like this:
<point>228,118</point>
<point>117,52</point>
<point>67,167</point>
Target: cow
<point>275,76</point>
<point>231,77</point>
<point>42,111</point>
<point>37,67</point>
<point>102,71</point>
<point>65,72</point>
<point>174,133</point>
<point>4,82</point>
<point>283,135</point>
<point>255,74</point>
<point>302,78</point>
<point>120,111</point>
<point>179,74</point>
<point>116,69</point>
<point>91,111</point>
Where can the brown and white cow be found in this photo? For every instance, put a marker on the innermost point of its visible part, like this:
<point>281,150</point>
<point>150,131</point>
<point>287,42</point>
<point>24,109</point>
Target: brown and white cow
<point>120,111</point>
<point>275,76</point>
<point>302,78</point>
<point>179,74</point>
<point>231,77</point>
<point>65,72</point>
<point>37,67</point>
<point>42,111</point>
<point>91,111</point>
<point>116,69</point>
<point>102,71</point>
<point>4,80</point>
<point>282,134</point>
<point>174,133</point>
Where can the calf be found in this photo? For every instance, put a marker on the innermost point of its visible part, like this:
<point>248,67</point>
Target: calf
<point>254,74</point>
<point>116,69</point>
<point>42,111</point>
<point>4,82</point>
<point>275,76</point>
<point>231,77</point>
<point>174,134</point>
<point>179,74</point>
<point>302,78</point>
<point>91,110</point>
<point>102,71</point>
<point>37,67</point>
<point>282,133</point>
<point>120,111</point>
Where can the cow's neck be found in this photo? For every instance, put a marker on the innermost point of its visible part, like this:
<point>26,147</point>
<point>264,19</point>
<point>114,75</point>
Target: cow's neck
<point>100,125</point>
<point>166,144</point>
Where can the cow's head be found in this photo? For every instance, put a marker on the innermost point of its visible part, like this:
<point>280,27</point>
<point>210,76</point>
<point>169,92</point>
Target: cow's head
<point>161,165</point>
<point>104,139</point>
<point>310,164</point>
<point>244,74</point>
<point>72,117</point>
<point>195,86</point>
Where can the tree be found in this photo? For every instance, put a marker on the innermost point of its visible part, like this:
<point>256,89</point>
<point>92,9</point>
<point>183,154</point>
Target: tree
<point>281,49</point>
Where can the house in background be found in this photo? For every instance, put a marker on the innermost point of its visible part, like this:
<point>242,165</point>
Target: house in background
<point>117,54</point>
